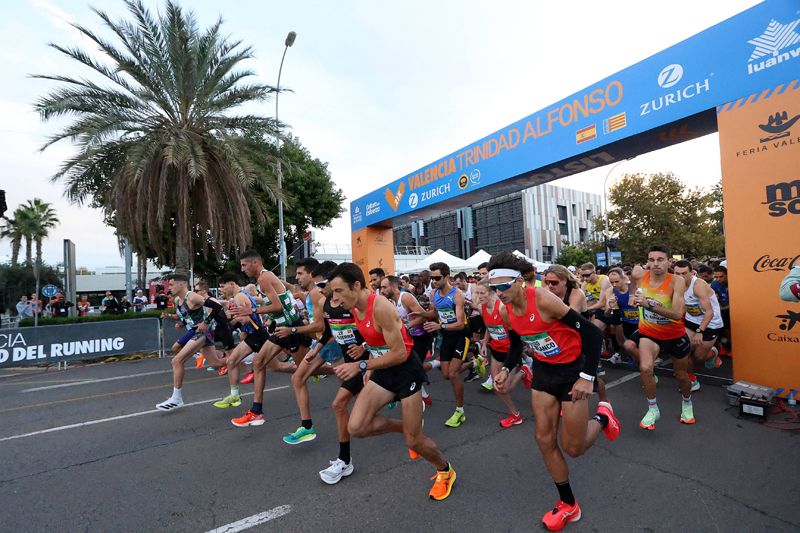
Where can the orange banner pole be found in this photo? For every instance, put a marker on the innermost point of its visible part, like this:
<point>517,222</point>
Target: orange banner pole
<point>373,247</point>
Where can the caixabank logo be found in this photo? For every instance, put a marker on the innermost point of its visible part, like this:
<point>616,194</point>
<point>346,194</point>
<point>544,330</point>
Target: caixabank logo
<point>783,198</point>
<point>788,326</point>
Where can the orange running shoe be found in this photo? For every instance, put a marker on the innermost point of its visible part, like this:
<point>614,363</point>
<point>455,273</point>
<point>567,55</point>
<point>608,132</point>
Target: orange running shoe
<point>248,379</point>
<point>248,419</point>
<point>200,362</point>
<point>443,484</point>
<point>561,515</point>
<point>224,370</point>
<point>413,455</point>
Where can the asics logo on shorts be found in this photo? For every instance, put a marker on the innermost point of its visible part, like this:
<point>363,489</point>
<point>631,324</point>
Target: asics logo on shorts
<point>413,386</point>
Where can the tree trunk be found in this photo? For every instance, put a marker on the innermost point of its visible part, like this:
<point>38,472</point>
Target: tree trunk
<point>181,253</point>
<point>38,251</point>
<point>28,251</point>
<point>141,271</point>
<point>15,246</point>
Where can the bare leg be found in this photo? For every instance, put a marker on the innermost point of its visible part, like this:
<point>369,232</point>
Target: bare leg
<point>505,397</point>
<point>414,436</point>
<point>364,419</point>
<point>179,360</point>
<point>300,384</point>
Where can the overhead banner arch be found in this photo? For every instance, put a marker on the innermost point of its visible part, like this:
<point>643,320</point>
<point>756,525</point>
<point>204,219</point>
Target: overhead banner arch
<point>733,78</point>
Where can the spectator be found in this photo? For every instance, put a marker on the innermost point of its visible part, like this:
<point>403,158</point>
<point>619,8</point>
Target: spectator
<point>36,304</point>
<point>59,306</point>
<point>24,308</point>
<point>139,301</point>
<point>110,305</point>
<point>161,300</point>
<point>124,304</point>
<point>83,305</point>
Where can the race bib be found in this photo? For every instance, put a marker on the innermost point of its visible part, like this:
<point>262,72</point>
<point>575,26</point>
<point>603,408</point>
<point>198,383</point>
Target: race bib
<point>694,310</point>
<point>497,333</point>
<point>631,314</point>
<point>378,351</point>
<point>655,318</point>
<point>542,345</point>
<point>344,335</point>
<point>447,316</point>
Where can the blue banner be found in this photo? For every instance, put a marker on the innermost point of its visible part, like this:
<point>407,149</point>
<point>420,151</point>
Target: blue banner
<point>741,57</point>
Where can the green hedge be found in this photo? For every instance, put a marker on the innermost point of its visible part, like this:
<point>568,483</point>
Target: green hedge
<point>28,322</point>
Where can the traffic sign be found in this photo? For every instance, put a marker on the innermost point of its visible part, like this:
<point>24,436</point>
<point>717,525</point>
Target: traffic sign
<point>49,290</point>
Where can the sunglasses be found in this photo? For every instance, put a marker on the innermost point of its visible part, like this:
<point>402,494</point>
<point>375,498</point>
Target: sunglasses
<point>502,287</point>
<point>321,284</point>
<point>436,278</point>
<point>586,275</point>
<point>552,282</point>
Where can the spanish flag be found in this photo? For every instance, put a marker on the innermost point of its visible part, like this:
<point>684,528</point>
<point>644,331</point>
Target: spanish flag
<point>586,134</point>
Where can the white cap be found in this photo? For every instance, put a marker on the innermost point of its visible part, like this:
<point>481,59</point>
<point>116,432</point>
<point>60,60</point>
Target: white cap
<point>571,268</point>
<point>724,263</point>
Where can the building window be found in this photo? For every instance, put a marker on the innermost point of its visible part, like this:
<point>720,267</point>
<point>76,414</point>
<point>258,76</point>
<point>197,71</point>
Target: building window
<point>584,234</point>
<point>574,210</point>
<point>562,213</point>
<point>563,229</point>
<point>588,214</point>
<point>547,254</point>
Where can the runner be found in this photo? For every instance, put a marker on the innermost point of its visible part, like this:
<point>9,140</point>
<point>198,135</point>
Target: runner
<point>623,317</point>
<point>448,304</point>
<point>720,286</point>
<point>595,286</point>
<point>566,348</point>
<point>279,307</point>
<point>393,373</point>
<point>702,320</point>
<point>661,331</point>
<point>375,277</point>
<point>189,310</point>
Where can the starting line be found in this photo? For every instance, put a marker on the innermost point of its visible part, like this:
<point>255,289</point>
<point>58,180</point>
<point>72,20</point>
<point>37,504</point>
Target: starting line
<point>252,521</point>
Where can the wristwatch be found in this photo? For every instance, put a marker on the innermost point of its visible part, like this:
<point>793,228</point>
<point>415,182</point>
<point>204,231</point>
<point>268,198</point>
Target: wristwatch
<point>294,330</point>
<point>586,376</point>
<point>651,304</point>
<point>362,365</point>
<point>699,330</point>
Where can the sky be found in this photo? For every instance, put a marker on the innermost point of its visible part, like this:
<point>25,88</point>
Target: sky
<point>378,89</point>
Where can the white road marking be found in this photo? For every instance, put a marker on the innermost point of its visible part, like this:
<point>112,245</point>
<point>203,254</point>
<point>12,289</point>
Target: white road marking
<point>255,520</point>
<point>623,379</point>
<point>98,380</point>
<point>120,417</point>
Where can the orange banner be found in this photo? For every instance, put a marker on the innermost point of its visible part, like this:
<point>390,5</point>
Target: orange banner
<point>760,149</point>
<point>373,247</point>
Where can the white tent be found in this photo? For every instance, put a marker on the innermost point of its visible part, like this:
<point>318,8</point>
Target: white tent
<point>481,256</point>
<point>456,264</point>
<point>538,264</point>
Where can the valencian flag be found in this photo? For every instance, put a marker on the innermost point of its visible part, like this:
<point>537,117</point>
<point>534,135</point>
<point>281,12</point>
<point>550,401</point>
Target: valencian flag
<point>617,122</point>
<point>586,134</point>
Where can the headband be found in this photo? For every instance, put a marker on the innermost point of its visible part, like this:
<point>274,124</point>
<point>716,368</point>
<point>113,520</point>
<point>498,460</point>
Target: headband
<point>504,273</point>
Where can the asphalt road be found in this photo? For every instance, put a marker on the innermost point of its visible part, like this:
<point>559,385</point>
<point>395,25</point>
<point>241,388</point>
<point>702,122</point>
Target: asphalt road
<point>95,456</point>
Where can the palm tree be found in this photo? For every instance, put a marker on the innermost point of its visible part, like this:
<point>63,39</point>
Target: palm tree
<point>12,230</point>
<point>25,220</point>
<point>158,147</point>
<point>43,219</point>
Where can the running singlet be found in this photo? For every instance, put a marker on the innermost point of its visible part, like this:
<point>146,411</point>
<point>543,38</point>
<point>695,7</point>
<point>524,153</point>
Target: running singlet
<point>342,325</point>
<point>376,344</point>
<point>694,312</point>
<point>593,290</point>
<point>498,336</point>
<point>629,314</point>
<point>416,331</point>
<point>309,308</point>
<point>446,306</point>
<point>651,324</point>
<point>190,317</point>
<point>551,342</point>
<point>288,314</point>
<point>254,319</point>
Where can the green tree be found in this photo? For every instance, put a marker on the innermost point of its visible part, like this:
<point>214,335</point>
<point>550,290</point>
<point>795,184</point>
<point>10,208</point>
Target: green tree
<point>12,230</point>
<point>43,218</point>
<point>659,209</point>
<point>17,280</point>
<point>158,146</point>
<point>575,255</point>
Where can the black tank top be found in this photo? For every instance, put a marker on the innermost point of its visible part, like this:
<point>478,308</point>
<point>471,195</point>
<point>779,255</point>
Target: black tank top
<point>341,325</point>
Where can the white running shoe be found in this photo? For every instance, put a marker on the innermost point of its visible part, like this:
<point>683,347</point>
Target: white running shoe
<point>248,360</point>
<point>615,359</point>
<point>170,404</point>
<point>334,473</point>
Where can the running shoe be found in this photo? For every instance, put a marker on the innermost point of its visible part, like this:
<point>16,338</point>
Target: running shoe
<point>527,376</point>
<point>248,419</point>
<point>561,515</point>
<point>336,471</point>
<point>413,455</point>
<point>613,427</point>
<point>456,420</point>
<point>223,371</point>
<point>511,420</point>
<point>443,484</point>
<point>427,400</point>
<point>200,361</point>
<point>600,370</point>
<point>248,378</point>
<point>488,385</point>
<point>170,404</point>
<point>472,376</point>
<point>615,359</point>
<point>695,385</point>
<point>687,413</point>
<point>650,418</point>
<point>391,405</point>
<point>715,361</point>
<point>300,435</point>
<point>229,401</point>
<point>319,377</point>
<point>481,366</point>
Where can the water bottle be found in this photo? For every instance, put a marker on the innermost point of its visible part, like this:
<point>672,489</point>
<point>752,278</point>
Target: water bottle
<point>638,294</point>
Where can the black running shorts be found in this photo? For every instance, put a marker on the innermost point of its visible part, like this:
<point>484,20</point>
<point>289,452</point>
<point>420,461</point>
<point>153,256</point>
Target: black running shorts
<point>454,346</point>
<point>557,380</point>
<point>403,380</point>
<point>256,340</point>
<point>709,334</point>
<point>677,348</point>
<point>291,343</point>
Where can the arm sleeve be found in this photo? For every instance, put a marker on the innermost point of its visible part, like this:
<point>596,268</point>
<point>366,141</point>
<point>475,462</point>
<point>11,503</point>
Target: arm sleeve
<point>514,356</point>
<point>790,287</point>
<point>216,309</point>
<point>327,334</point>
<point>591,339</point>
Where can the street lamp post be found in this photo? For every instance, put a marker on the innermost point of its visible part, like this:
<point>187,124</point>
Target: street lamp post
<point>281,235</point>
<point>605,211</point>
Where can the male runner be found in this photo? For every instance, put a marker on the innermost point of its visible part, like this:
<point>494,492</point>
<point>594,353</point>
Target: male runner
<point>661,331</point>
<point>595,285</point>
<point>189,310</point>
<point>393,373</point>
<point>565,348</point>
<point>279,308</point>
<point>720,286</point>
<point>448,304</point>
<point>375,277</point>
<point>703,320</point>
<point>623,317</point>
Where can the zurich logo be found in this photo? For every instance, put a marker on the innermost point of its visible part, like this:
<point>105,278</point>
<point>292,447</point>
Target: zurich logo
<point>413,200</point>
<point>670,75</point>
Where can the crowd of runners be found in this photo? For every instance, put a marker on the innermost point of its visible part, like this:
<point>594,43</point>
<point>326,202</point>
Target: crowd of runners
<point>552,331</point>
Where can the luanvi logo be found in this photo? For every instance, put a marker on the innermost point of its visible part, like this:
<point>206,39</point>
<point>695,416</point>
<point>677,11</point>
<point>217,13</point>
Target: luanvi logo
<point>767,263</point>
<point>783,198</point>
<point>394,197</point>
<point>779,43</point>
<point>778,126</point>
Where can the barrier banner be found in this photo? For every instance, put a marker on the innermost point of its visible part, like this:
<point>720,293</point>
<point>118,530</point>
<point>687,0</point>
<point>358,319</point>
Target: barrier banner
<point>760,144</point>
<point>71,342</point>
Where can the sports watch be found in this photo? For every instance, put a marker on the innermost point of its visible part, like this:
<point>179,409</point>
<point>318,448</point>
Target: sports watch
<point>362,365</point>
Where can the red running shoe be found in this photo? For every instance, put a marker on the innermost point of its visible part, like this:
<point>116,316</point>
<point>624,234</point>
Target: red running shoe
<point>248,379</point>
<point>248,419</point>
<point>511,420</point>
<point>561,515</point>
<point>527,376</point>
<point>223,371</point>
<point>613,427</point>
<point>427,400</point>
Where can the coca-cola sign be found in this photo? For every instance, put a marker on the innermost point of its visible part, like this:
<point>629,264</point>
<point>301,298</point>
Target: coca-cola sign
<point>767,263</point>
